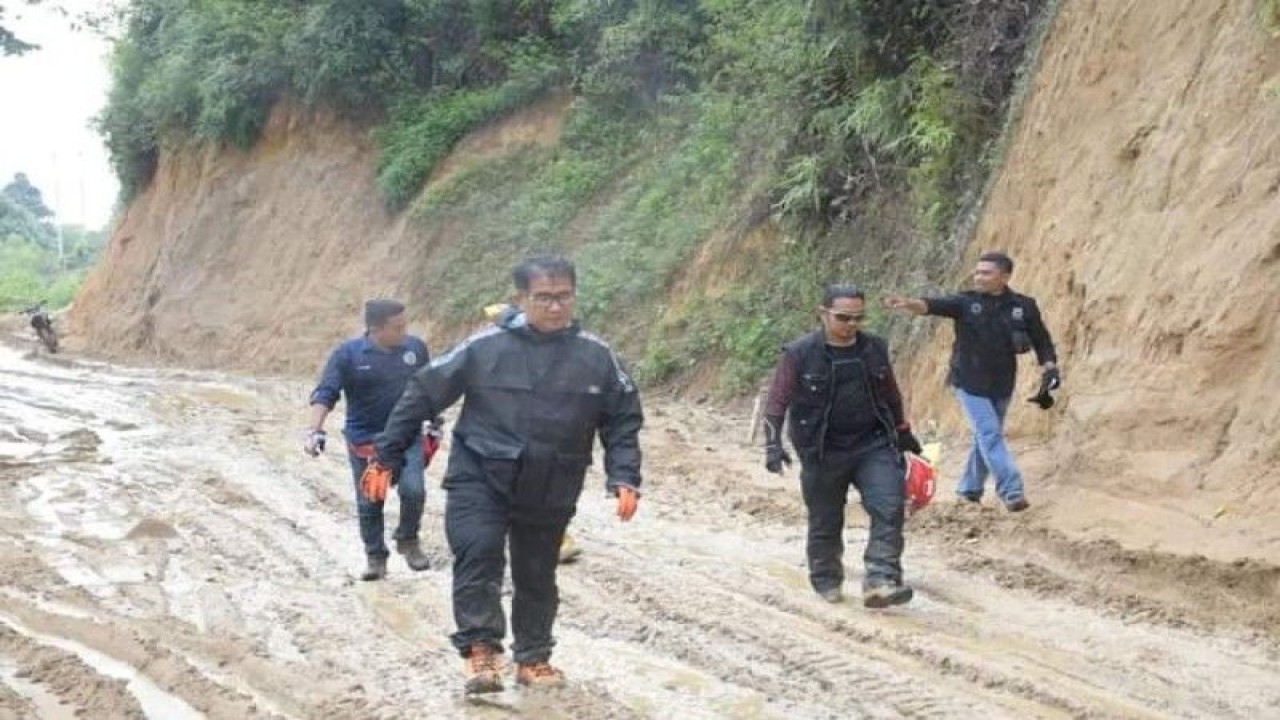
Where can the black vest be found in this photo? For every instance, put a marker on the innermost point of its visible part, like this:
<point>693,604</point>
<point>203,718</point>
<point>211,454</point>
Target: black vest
<point>816,390</point>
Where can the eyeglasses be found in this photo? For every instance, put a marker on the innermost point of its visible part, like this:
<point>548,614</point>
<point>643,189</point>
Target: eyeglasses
<point>846,317</point>
<point>547,300</point>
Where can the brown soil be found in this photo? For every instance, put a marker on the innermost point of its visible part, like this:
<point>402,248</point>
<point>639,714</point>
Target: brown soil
<point>1138,198</point>
<point>198,549</point>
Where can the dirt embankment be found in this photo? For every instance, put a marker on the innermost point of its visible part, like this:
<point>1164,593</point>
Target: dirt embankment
<point>1139,196</point>
<point>263,259</point>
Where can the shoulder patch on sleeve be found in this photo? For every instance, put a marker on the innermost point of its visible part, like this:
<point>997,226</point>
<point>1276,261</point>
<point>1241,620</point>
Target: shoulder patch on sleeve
<point>623,379</point>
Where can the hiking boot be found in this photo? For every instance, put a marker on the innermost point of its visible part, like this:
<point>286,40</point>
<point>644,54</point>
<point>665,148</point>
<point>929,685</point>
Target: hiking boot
<point>966,498</point>
<point>831,595</point>
<point>569,550</point>
<point>539,675</point>
<point>882,596</point>
<point>1017,505</point>
<point>413,555</point>
<point>376,569</point>
<point>484,670</point>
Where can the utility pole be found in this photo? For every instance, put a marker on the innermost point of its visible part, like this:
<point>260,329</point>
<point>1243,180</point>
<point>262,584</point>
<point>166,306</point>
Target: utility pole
<point>57,203</point>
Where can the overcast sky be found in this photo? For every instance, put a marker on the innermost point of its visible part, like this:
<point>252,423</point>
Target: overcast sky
<point>47,98</point>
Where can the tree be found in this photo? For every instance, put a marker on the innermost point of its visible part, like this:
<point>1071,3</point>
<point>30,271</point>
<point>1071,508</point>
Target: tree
<point>97,20</point>
<point>10,44</point>
<point>23,213</point>
<point>21,191</point>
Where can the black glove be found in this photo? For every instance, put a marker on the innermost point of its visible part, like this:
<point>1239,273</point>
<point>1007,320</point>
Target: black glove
<point>775,457</point>
<point>907,442</point>
<point>1049,381</point>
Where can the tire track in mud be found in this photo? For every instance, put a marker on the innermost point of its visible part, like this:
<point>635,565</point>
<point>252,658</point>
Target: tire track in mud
<point>957,645</point>
<point>387,616</point>
<point>58,682</point>
<point>756,644</point>
<point>239,590</point>
<point>1133,585</point>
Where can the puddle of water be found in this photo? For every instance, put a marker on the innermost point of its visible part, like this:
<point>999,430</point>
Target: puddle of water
<point>18,450</point>
<point>124,574</point>
<point>92,518</point>
<point>181,590</point>
<point>46,704</point>
<point>222,395</point>
<point>52,607</point>
<point>795,578</point>
<point>80,574</point>
<point>156,703</point>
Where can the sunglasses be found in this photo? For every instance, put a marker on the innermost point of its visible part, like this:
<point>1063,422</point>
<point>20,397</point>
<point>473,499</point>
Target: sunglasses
<point>846,317</point>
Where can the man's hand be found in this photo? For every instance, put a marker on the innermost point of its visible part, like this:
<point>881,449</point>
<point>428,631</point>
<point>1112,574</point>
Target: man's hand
<point>431,438</point>
<point>314,444</point>
<point>901,302</point>
<point>375,481</point>
<point>907,442</point>
<point>628,501</point>
<point>776,458</point>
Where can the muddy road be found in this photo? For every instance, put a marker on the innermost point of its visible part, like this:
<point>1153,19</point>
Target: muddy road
<point>167,551</point>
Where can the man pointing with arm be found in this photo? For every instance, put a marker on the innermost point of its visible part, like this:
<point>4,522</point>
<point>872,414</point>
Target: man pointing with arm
<point>993,324</point>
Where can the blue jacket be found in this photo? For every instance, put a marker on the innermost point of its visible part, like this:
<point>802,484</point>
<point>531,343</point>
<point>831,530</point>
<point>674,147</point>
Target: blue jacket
<point>371,380</point>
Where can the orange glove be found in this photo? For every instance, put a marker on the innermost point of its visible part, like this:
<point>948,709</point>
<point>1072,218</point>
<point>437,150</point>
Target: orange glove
<point>375,481</point>
<point>628,500</point>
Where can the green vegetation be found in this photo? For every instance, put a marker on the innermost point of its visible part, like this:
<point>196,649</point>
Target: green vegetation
<point>1269,16</point>
<point>30,267</point>
<point>859,127</point>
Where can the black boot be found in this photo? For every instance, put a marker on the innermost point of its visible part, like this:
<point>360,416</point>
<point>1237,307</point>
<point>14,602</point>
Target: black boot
<point>413,555</point>
<point>376,569</point>
<point>887,594</point>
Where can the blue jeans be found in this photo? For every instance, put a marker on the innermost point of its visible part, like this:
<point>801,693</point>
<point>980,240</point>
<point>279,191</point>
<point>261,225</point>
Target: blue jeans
<point>413,494</point>
<point>990,453</point>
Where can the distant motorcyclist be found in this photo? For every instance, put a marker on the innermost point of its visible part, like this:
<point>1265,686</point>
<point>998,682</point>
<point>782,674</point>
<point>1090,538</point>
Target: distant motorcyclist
<point>42,324</point>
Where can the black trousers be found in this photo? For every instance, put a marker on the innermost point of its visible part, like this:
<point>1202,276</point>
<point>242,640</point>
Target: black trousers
<point>875,469</point>
<point>483,520</point>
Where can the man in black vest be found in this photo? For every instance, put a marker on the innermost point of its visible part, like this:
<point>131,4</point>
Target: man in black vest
<point>536,392</point>
<point>848,426</point>
<point>993,324</point>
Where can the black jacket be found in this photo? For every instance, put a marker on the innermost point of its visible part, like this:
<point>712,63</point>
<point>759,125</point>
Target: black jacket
<point>803,387</point>
<point>537,399</point>
<point>990,332</point>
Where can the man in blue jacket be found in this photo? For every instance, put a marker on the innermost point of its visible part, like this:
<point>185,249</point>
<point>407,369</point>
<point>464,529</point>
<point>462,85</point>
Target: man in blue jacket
<point>371,371</point>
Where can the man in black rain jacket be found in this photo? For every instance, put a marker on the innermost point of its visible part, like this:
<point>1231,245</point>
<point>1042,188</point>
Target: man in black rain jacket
<point>536,392</point>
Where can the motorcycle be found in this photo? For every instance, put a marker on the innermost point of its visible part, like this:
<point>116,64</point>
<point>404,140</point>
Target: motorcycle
<point>42,323</point>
